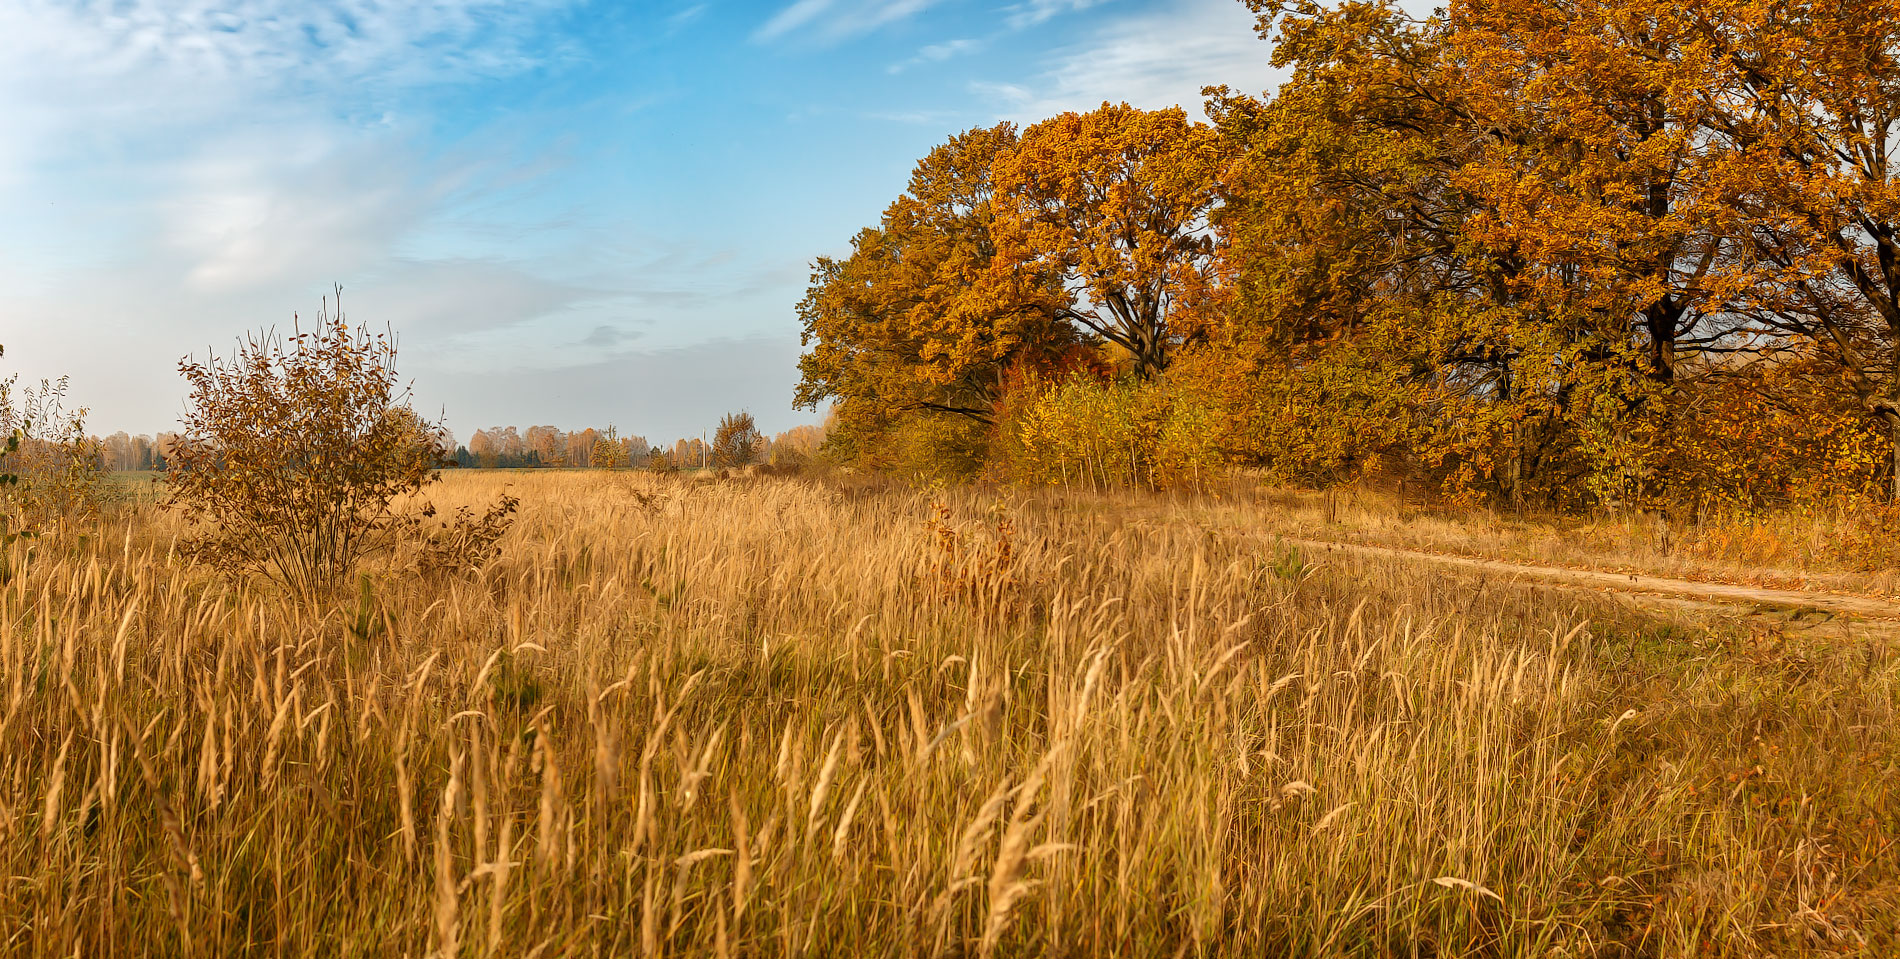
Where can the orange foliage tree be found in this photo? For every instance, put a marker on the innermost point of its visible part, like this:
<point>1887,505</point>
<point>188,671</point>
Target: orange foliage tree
<point>916,320</point>
<point>1535,250</point>
<point>1809,115</point>
<point>1113,205</point>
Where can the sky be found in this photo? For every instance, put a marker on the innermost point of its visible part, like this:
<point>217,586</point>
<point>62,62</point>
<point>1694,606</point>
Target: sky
<point>571,212</point>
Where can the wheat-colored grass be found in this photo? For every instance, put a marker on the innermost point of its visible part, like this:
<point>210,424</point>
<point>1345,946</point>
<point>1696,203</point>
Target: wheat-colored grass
<point>789,719</point>
<point>1848,547</point>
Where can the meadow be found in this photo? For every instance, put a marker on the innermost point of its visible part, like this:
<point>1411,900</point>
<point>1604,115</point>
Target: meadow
<point>1846,546</point>
<point>787,717</point>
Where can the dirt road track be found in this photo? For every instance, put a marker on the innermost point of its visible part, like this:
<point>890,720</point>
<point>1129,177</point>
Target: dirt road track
<point>1840,604</point>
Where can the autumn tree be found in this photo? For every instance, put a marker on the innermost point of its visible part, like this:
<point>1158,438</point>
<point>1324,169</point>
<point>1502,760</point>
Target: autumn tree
<point>797,446</point>
<point>1597,169</point>
<point>580,447</point>
<point>690,453</point>
<point>1809,114</point>
<point>737,442</point>
<point>1362,319</point>
<point>507,444</point>
<point>124,452</point>
<point>482,447</point>
<point>918,320</point>
<point>1005,258</point>
<point>547,444</point>
<point>608,451</point>
<point>1723,172</point>
<point>1112,207</point>
<point>1502,210</point>
<point>1351,302</point>
<point>1591,179</point>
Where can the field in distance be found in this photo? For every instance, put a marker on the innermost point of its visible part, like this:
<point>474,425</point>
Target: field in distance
<point>785,718</point>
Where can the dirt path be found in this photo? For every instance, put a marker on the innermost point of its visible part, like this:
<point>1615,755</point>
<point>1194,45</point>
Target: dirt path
<point>1839,604</point>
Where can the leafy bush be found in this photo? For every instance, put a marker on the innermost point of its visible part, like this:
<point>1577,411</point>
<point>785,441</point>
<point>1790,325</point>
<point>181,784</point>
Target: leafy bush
<point>1083,429</point>
<point>466,541</point>
<point>49,468</point>
<point>737,441</point>
<point>296,453</point>
<point>1769,436</point>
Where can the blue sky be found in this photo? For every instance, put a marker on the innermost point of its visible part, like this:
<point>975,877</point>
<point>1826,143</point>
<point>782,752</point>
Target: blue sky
<point>571,212</point>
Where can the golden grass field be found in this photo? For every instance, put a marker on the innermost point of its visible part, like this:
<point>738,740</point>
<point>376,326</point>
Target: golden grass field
<point>785,718</point>
<point>1847,548</point>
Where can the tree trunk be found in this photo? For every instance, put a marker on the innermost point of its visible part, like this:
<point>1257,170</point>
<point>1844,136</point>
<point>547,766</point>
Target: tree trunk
<point>1893,439</point>
<point>1662,321</point>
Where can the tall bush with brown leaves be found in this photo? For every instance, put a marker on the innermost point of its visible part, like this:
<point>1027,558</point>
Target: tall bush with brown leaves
<point>301,457</point>
<point>49,467</point>
<point>738,441</point>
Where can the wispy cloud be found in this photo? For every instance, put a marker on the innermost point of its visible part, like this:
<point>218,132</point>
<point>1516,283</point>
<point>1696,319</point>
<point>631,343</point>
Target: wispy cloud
<point>609,338</point>
<point>81,75</point>
<point>1023,15</point>
<point>686,16</point>
<point>252,214</point>
<point>220,162</point>
<point>1158,59</point>
<point>830,21</point>
<point>938,52</point>
<point>307,42</point>
<point>791,18</point>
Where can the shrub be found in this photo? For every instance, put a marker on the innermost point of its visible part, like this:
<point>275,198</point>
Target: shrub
<point>1769,436</point>
<point>49,468</point>
<point>1086,429</point>
<point>737,441</point>
<point>1082,430</point>
<point>931,449</point>
<point>295,453</point>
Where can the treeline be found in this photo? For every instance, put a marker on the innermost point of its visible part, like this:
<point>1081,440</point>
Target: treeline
<point>1556,252</point>
<point>124,452</point>
<point>736,442</point>
<point>505,447</point>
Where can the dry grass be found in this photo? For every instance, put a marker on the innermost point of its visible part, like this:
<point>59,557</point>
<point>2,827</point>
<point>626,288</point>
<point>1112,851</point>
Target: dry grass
<point>780,719</point>
<point>1845,549</point>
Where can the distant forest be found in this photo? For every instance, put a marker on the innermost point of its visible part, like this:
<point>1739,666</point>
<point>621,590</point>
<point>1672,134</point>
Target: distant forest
<point>537,447</point>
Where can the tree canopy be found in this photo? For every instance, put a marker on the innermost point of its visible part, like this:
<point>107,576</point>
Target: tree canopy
<point>1521,249</point>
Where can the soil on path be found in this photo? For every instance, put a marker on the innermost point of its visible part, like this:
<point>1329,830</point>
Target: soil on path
<point>1792,601</point>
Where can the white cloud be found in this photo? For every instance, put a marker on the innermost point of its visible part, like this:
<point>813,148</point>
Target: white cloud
<point>174,172</point>
<point>939,52</point>
<point>685,17</point>
<point>1033,12</point>
<point>790,18</point>
<point>345,40</point>
<point>149,79</point>
<point>257,214</point>
<point>1157,59</point>
<point>829,21</point>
